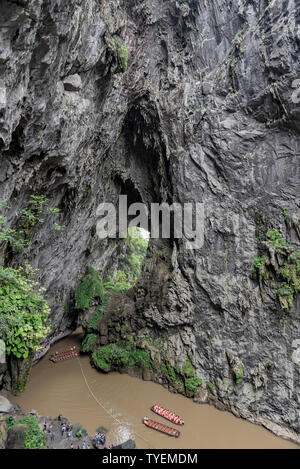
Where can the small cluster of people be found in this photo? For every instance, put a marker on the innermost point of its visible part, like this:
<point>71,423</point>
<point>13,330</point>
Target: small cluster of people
<point>49,429</point>
<point>167,414</point>
<point>84,445</point>
<point>100,438</point>
<point>66,429</point>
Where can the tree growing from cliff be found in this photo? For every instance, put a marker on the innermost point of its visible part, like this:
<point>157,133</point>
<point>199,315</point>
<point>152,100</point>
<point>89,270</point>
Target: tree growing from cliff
<point>23,308</point>
<point>24,311</point>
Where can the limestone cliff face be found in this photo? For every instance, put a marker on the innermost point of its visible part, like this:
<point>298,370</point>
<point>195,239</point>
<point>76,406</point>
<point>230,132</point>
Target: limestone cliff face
<point>206,112</point>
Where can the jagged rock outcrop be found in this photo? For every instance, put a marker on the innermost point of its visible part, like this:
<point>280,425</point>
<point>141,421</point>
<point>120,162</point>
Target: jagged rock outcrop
<point>204,108</point>
<point>23,431</point>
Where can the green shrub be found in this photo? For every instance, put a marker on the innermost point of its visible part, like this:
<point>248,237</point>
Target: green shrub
<point>34,436</point>
<point>96,318</point>
<point>10,421</point>
<point>239,375</point>
<point>258,266</point>
<point>276,240</point>
<point>121,356</point>
<point>18,239</point>
<point>89,343</point>
<point>24,309</point>
<point>288,274</point>
<point>192,384</point>
<point>122,52</point>
<point>79,433</point>
<point>118,284</point>
<point>14,238</point>
<point>188,369</point>
<point>210,386</point>
<point>169,373</point>
<point>90,287</point>
<point>130,263</point>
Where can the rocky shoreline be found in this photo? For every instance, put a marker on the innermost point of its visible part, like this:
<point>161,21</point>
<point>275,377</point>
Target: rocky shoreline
<point>50,341</point>
<point>15,427</point>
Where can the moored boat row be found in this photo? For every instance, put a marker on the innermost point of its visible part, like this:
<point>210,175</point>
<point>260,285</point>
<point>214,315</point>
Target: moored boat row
<point>62,356</point>
<point>161,427</point>
<point>167,414</point>
<point>162,412</point>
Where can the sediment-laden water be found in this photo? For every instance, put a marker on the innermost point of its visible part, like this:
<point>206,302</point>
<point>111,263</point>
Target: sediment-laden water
<point>61,389</point>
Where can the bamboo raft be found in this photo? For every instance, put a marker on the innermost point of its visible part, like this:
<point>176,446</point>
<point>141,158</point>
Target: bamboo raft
<point>62,356</point>
<point>167,414</point>
<point>161,427</point>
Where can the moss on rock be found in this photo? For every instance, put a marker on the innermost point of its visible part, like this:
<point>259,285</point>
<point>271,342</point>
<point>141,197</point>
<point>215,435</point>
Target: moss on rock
<point>89,343</point>
<point>89,288</point>
<point>25,433</point>
<point>93,324</point>
<point>282,263</point>
<point>121,357</point>
<point>122,53</point>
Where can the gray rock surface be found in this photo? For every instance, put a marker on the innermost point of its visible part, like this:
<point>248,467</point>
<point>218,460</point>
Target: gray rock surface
<point>207,111</point>
<point>130,444</point>
<point>13,437</point>
<point>72,83</point>
<point>5,405</point>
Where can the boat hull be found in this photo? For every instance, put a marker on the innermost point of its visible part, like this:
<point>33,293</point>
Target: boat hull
<point>166,414</point>
<point>161,428</point>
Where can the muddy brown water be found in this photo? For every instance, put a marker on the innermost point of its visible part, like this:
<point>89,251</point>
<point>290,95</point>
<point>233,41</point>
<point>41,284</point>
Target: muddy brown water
<point>61,388</point>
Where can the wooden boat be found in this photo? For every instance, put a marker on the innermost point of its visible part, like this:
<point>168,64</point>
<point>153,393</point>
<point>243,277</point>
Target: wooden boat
<point>160,427</point>
<point>66,355</point>
<point>162,412</point>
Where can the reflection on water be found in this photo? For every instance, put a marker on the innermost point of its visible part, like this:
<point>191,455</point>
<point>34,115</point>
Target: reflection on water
<point>61,388</point>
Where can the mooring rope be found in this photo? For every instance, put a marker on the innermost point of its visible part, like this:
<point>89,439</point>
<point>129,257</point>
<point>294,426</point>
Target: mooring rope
<point>106,410</point>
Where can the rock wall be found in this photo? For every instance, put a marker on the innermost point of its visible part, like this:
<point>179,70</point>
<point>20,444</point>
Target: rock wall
<point>205,111</point>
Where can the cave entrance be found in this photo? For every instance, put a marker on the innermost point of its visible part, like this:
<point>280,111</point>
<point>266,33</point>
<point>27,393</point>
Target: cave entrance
<point>130,259</point>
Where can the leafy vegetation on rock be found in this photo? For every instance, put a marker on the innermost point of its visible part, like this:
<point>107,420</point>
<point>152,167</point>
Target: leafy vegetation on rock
<point>18,239</point>
<point>89,288</point>
<point>192,384</point>
<point>106,293</point>
<point>23,307</point>
<point>239,375</point>
<point>130,266</point>
<point>24,311</point>
<point>122,356</point>
<point>96,318</point>
<point>282,263</point>
<point>169,373</point>
<point>122,53</point>
<point>89,343</point>
<point>34,437</point>
<point>188,369</point>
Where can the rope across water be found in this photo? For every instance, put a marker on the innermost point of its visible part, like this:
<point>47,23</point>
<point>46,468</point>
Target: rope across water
<point>107,411</point>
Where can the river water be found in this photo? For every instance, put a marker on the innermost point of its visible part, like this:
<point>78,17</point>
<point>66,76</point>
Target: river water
<point>61,389</point>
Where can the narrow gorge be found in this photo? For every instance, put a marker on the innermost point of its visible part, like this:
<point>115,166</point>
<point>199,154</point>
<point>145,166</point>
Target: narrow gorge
<point>162,102</point>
